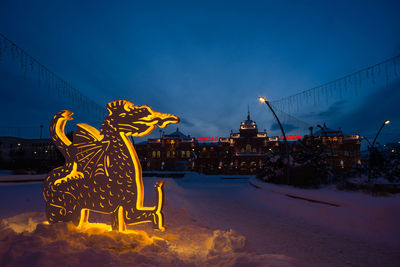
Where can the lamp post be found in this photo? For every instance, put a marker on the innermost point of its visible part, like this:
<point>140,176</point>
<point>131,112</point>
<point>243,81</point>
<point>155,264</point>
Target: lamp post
<point>380,129</point>
<point>372,150</point>
<point>264,100</point>
<point>366,139</point>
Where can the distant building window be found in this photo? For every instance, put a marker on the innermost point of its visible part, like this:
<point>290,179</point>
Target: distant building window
<point>168,154</point>
<point>243,166</point>
<point>254,150</point>
<point>253,166</point>
<point>154,154</point>
<point>242,150</point>
<point>183,154</point>
<point>188,154</point>
<point>248,148</point>
<point>158,154</point>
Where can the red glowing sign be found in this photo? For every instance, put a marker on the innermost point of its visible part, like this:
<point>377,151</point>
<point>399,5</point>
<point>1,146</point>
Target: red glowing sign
<point>291,137</point>
<point>208,138</point>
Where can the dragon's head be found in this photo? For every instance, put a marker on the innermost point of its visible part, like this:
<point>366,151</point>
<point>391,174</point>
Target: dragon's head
<point>124,116</point>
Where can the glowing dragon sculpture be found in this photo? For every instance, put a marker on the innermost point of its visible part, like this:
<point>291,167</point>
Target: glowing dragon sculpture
<point>102,171</point>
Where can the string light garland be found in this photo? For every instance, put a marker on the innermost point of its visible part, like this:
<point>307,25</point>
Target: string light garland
<point>387,69</point>
<point>47,78</point>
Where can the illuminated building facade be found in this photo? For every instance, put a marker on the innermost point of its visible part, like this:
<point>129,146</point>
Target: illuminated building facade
<point>39,154</point>
<point>343,149</point>
<point>240,153</point>
<point>174,151</point>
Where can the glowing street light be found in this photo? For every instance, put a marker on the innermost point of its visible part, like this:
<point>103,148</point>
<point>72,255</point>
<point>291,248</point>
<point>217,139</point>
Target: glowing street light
<point>380,129</point>
<point>264,100</point>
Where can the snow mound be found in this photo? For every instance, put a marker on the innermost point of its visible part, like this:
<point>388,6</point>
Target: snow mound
<point>26,240</point>
<point>226,242</point>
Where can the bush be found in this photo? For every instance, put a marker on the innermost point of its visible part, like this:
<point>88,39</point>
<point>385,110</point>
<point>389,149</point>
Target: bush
<point>308,166</point>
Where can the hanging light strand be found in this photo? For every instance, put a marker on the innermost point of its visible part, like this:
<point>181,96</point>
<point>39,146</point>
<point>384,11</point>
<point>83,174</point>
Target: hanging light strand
<point>387,70</point>
<point>47,78</point>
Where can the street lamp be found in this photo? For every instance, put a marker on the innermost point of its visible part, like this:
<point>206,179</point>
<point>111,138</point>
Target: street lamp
<point>264,100</point>
<point>380,129</point>
<point>372,150</point>
<point>366,139</point>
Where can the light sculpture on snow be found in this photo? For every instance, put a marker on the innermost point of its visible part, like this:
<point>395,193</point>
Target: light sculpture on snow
<point>102,171</point>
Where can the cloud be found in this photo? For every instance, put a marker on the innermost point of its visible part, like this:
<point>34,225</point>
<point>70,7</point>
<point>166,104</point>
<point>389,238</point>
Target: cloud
<point>373,111</point>
<point>333,111</point>
<point>286,127</point>
<point>187,123</point>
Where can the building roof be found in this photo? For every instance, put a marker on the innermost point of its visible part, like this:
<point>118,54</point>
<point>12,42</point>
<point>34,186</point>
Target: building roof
<point>325,131</point>
<point>176,135</point>
<point>248,124</point>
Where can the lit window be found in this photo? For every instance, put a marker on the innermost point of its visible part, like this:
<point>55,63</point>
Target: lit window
<point>154,154</point>
<point>168,154</point>
<point>188,154</point>
<point>248,148</point>
<point>158,154</point>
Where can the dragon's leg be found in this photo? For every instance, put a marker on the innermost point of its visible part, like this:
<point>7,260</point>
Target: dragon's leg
<point>55,213</point>
<point>83,218</point>
<point>63,207</point>
<point>147,214</point>
<point>117,220</point>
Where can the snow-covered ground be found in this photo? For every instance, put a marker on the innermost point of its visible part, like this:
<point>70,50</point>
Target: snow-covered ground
<point>212,222</point>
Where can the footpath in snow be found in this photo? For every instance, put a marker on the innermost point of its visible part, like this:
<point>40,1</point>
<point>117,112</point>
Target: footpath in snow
<point>370,217</point>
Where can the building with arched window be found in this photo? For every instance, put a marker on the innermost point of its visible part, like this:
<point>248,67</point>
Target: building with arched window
<point>246,148</point>
<point>174,151</point>
<point>343,150</point>
<point>240,153</point>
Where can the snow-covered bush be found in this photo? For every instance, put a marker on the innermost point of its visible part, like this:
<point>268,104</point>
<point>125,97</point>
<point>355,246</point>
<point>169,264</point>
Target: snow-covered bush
<point>391,166</point>
<point>308,165</point>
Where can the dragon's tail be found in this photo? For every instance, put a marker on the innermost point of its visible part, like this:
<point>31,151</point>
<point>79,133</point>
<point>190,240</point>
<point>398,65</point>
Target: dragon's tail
<point>57,133</point>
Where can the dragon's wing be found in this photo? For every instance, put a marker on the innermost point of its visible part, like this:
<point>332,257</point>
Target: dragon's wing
<point>90,151</point>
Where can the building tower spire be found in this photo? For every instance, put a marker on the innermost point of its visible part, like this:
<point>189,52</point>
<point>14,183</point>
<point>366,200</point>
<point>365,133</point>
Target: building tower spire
<point>248,112</point>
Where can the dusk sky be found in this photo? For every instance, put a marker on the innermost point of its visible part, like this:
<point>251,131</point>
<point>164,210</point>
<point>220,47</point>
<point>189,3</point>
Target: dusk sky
<point>204,61</point>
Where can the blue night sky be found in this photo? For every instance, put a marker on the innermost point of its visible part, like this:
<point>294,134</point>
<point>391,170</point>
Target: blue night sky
<point>204,61</point>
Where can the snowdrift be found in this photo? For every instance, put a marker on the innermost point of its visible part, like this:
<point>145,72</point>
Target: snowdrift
<point>26,241</point>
